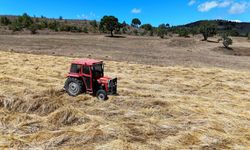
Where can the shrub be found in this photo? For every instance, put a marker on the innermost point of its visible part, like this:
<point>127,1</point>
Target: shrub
<point>43,24</point>
<point>143,33</point>
<point>85,30</point>
<point>227,41</point>
<point>135,32</point>
<point>147,27</point>
<point>53,25</point>
<point>248,36</point>
<point>162,30</point>
<point>25,20</point>
<point>151,33</point>
<point>66,28</point>
<point>233,32</point>
<point>5,21</point>
<point>16,26</point>
<point>194,31</point>
<point>75,29</point>
<point>124,30</point>
<point>33,29</point>
<point>184,32</point>
<point>93,24</point>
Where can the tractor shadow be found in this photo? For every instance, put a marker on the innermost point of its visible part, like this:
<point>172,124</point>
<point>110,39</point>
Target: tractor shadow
<point>115,36</point>
<point>236,51</point>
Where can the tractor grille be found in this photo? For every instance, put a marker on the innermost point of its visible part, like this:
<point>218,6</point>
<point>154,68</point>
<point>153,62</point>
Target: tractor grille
<point>113,86</point>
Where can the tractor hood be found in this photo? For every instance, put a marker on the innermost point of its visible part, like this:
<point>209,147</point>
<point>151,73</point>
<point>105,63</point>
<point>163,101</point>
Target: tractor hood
<point>104,80</point>
<point>109,84</point>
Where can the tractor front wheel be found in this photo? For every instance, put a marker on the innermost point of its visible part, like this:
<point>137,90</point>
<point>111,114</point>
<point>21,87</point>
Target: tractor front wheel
<point>101,95</point>
<point>73,86</point>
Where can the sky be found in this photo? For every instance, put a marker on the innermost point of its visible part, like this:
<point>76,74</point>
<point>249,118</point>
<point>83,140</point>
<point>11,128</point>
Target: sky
<point>155,12</point>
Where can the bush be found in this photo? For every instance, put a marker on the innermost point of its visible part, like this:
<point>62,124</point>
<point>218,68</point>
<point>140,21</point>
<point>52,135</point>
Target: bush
<point>43,24</point>
<point>75,29</point>
<point>162,30</point>
<point>151,33</point>
<point>54,25</point>
<point>124,30</point>
<point>5,21</point>
<point>85,30</point>
<point>194,31</point>
<point>93,24</point>
<point>143,33</point>
<point>147,27</point>
<point>25,20</point>
<point>135,32</point>
<point>227,41</point>
<point>66,28</point>
<point>16,26</point>
<point>248,36</point>
<point>183,32</point>
<point>233,32</point>
<point>33,29</point>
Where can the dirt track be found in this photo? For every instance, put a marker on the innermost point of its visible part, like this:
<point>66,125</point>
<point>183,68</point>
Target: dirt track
<point>144,50</point>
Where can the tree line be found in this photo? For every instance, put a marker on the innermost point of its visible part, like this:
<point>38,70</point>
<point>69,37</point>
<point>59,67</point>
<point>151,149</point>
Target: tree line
<point>112,25</point>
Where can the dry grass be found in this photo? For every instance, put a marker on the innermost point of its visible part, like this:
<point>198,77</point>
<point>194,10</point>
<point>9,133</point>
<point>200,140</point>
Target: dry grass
<point>157,107</point>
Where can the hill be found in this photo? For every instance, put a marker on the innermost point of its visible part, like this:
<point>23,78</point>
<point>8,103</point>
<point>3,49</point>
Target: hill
<point>15,23</point>
<point>236,28</point>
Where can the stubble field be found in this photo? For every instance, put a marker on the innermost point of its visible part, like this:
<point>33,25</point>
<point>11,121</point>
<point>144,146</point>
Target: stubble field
<point>171,107</point>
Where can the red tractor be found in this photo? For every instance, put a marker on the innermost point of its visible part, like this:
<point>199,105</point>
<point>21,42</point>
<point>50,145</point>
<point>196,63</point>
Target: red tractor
<point>87,76</point>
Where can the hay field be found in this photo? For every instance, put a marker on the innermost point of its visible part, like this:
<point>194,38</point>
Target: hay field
<point>157,107</point>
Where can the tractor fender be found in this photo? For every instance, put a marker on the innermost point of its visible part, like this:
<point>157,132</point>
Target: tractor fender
<point>73,75</point>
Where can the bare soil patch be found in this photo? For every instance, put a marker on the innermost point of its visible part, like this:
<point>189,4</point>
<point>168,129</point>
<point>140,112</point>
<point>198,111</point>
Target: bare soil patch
<point>189,52</point>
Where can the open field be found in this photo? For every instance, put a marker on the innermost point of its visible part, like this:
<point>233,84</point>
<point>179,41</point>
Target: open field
<point>157,107</point>
<point>189,52</point>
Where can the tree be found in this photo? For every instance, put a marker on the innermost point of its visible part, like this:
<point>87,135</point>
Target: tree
<point>227,41</point>
<point>43,24</point>
<point>85,30</point>
<point>25,20</point>
<point>183,32</point>
<point>162,30</point>
<point>167,25</point>
<point>124,27</point>
<point>194,31</point>
<point>109,23</point>
<point>53,25</point>
<point>5,21</point>
<point>16,26</point>
<point>124,24</point>
<point>33,29</point>
<point>93,24</point>
<point>60,18</point>
<point>207,29</point>
<point>147,27</point>
<point>136,22</point>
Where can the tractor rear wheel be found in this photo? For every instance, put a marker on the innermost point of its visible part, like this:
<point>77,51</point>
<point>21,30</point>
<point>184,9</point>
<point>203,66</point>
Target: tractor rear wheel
<point>101,95</point>
<point>74,86</point>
